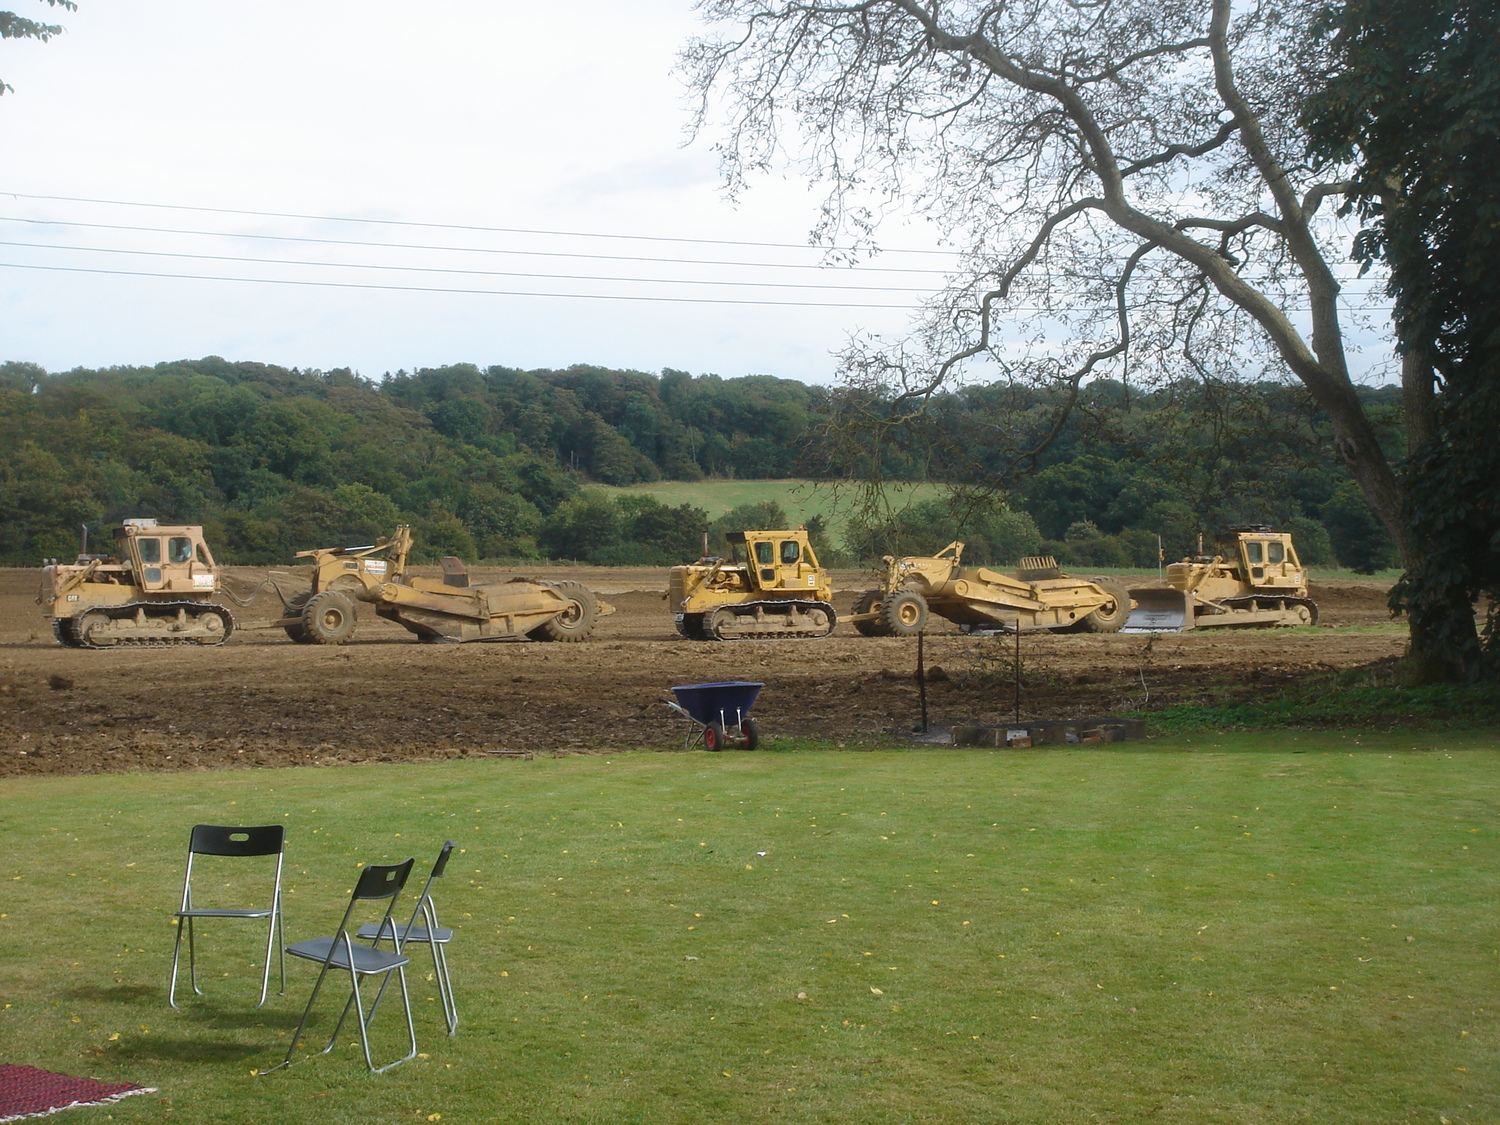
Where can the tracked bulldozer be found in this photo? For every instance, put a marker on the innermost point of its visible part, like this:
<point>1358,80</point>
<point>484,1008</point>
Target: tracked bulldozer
<point>1254,580</point>
<point>771,586</point>
<point>978,599</point>
<point>159,586</point>
<point>450,610</point>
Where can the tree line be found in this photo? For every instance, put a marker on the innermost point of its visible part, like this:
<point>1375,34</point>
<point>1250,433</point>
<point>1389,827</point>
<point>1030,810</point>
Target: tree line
<point>499,464</point>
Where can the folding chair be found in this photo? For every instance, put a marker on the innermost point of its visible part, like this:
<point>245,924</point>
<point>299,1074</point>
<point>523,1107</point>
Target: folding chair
<point>217,840</point>
<point>341,952</point>
<point>430,934</point>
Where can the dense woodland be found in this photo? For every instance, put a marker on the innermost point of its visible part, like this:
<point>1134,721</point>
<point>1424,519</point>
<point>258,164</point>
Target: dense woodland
<point>497,463</point>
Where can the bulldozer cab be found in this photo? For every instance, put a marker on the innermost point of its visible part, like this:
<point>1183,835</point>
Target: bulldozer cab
<point>170,559</point>
<point>1264,557</point>
<point>778,560</point>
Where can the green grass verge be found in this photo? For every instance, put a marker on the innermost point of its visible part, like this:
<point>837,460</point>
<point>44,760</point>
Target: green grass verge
<point>1362,698</point>
<point>1276,928</point>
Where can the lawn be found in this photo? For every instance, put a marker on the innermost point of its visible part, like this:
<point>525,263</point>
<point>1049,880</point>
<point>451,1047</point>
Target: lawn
<point>1267,928</point>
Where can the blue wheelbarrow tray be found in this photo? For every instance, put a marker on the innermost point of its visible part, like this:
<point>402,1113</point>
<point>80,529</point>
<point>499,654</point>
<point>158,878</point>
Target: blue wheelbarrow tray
<point>719,710</point>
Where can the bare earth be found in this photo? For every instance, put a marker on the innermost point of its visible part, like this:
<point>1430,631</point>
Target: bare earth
<point>261,700</point>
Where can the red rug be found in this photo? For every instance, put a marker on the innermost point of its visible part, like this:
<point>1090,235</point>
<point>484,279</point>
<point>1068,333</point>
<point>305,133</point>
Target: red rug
<point>26,1091</point>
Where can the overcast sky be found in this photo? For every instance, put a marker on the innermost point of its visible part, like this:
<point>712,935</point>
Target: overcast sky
<point>373,164</point>
<point>562,118</point>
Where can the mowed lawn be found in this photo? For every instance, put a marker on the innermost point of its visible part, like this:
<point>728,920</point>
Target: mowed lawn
<point>1254,928</point>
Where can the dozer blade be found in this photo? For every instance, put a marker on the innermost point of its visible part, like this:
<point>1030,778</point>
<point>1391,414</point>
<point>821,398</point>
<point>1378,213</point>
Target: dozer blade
<point>1159,610</point>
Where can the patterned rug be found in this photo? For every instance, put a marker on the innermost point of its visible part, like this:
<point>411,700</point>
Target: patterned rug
<point>26,1091</point>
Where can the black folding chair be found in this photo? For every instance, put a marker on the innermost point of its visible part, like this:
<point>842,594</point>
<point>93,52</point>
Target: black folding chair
<point>430,934</point>
<point>218,840</point>
<point>341,952</point>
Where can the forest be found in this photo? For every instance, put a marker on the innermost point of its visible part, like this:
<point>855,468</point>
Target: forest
<point>498,464</point>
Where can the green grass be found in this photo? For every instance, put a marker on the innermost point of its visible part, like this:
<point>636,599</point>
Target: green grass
<point>801,499</point>
<point>1369,698</point>
<point>1269,928</point>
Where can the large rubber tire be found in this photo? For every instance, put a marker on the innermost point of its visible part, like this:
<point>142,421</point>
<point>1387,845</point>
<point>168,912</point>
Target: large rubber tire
<point>1108,619</point>
<point>576,621</point>
<point>294,607</point>
<point>903,614</point>
<point>328,618</point>
<point>750,733</point>
<point>866,603</point>
<point>713,737</point>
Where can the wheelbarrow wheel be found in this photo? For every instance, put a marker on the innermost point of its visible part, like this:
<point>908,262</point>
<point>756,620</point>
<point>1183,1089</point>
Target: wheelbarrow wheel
<point>750,733</point>
<point>713,737</point>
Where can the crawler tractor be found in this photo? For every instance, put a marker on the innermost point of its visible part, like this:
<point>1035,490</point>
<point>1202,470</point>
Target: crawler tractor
<point>450,610</point>
<point>775,589</point>
<point>1255,579</point>
<point>977,598</point>
<point>159,586</point>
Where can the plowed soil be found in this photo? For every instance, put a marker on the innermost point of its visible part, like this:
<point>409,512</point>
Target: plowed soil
<point>260,700</point>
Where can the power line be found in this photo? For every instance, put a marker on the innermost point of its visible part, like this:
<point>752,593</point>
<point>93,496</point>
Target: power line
<point>446,226</point>
<point>566,296</point>
<point>462,272</point>
<point>445,289</point>
<point>450,249</point>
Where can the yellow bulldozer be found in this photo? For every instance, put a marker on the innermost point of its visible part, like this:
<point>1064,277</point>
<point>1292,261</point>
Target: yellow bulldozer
<point>775,588</point>
<point>450,610</point>
<point>978,599</point>
<point>158,586</point>
<point>1254,579</point>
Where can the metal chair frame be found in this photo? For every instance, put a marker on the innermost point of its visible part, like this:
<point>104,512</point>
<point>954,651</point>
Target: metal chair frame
<point>430,934</point>
<point>222,840</point>
<point>341,952</point>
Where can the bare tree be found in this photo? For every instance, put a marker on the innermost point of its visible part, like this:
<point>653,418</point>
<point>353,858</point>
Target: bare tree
<point>1125,180</point>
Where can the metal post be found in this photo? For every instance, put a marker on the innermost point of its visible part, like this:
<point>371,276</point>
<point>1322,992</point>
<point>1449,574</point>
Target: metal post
<point>1018,672</point>
<point>922,678</point>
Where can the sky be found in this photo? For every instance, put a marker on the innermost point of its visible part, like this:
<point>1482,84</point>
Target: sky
<point>383,187</point>
<point>236,141</point>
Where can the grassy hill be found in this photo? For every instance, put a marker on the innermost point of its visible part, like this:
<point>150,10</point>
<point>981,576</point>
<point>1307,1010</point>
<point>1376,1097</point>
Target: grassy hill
<point>802,499</point>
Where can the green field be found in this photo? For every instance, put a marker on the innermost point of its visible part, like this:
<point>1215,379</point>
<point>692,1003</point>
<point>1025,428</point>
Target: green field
<point>802,499</point>
<point>1266,928</point>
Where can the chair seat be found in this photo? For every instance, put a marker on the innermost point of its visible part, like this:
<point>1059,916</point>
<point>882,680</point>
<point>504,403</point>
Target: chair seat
<point>419,934</point>
<point>367,959</point>
<point>210,913</point>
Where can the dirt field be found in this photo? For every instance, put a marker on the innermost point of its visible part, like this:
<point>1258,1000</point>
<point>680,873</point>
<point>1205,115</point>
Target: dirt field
<point>261,700</point>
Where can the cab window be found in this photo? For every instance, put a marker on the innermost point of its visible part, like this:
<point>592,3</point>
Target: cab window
<point>150,550</point>
<point>765,553</point>
<point>790,552</point>
<point>1252,552</point>
<point>1275,552</point>
<point>179,549</point>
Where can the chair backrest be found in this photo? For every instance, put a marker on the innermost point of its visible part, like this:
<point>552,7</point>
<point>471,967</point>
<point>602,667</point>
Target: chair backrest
<point>217,839</point>
<point>382,881</point>
<point>442,863</point>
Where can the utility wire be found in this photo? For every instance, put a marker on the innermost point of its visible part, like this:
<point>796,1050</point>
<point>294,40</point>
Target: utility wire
<point>453,249</point>
<point>444,289</point>
<point>462,272</point>
<point>531,293</point>
<point>447,226</point>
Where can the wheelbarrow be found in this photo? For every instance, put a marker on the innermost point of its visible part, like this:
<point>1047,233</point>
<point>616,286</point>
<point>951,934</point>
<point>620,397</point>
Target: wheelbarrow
<point>719,712</point>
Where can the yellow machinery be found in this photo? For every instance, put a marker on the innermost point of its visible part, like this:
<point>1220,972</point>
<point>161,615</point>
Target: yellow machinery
<point>160,586</point>
<point>775,589</point>
<point>977,598</point>
<point>450,610</point>
<point>1255,579</point>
